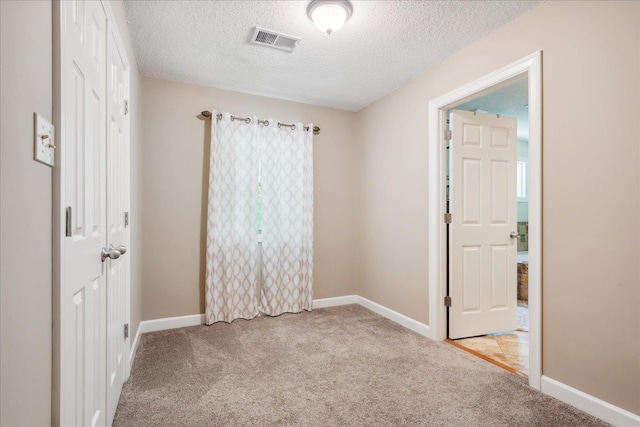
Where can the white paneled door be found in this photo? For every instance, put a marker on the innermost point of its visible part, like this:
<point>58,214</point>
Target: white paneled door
<point>117,203</point>
<point>92,194</point>
<point>482,239</point>
<point>117,217</point>
<point>83,286</point>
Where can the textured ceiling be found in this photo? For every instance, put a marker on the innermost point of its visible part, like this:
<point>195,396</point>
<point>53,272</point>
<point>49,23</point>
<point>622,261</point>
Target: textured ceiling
<point>384,45</point>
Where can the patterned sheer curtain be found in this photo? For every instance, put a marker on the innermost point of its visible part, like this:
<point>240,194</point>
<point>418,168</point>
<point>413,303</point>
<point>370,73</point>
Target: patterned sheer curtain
<point>287,218</point>
<point>232,249</point>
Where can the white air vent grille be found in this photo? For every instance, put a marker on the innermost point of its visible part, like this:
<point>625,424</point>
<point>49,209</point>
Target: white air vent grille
<point>266,38</point>
<point>273,39</point>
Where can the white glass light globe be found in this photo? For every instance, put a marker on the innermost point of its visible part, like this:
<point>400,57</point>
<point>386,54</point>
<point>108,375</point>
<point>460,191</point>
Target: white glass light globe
<point>329,16</point>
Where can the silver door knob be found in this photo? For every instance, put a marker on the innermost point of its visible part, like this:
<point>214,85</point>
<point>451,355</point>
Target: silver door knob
<point>514,235</point>
<point>112,253</point>
<point>122,249</point>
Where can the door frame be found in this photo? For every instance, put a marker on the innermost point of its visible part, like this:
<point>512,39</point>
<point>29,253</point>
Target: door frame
<point>58,197</point>
<point>532,66</point>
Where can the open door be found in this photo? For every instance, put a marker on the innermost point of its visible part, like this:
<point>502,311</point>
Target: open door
<point>482,233</point>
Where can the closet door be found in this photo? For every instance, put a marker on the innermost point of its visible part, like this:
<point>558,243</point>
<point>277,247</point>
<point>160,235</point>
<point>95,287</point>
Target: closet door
<point>81,289</point>
<point>117,218</point>
<point>91,197</point>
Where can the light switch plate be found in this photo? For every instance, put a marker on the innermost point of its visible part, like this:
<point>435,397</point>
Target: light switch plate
<point>43,141</point>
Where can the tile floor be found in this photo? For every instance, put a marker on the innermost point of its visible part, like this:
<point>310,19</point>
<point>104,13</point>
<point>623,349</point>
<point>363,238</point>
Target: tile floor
<point>508,348</point>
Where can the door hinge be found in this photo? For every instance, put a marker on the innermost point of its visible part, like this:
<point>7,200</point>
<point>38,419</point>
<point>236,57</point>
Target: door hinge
<point>126,107</point>
<point>126,219</point>
<point>447,134</point>
<point>67,222</point>
<point>126,331</point>
<point>447,218</point>
<point>447,301</point>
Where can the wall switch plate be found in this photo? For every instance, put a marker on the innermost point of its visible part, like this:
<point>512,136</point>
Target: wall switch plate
<point>44,141</point>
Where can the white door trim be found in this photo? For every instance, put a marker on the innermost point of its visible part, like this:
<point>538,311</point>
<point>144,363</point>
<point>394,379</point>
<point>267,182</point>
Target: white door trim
<point>531,65</point>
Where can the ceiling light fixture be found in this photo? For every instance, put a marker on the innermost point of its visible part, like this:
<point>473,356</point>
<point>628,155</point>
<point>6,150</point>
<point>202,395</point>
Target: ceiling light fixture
<point>329,15</point>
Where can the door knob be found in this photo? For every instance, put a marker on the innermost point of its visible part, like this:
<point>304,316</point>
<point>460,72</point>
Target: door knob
<point>122,249</point>
<point>514,235</point>
<point>112,253</point>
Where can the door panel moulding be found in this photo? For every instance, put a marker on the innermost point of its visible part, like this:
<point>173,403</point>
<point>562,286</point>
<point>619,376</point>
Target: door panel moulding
<point>530,66</point>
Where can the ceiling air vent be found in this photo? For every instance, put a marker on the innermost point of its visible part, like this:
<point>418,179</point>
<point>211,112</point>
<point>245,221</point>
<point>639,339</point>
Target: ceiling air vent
<point>273,39</point>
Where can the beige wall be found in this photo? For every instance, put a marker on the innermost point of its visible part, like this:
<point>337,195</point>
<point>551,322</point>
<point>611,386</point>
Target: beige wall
<point>26,210</point>
<point>591,282</point>
<point>25,216</point>
<point>175,173</point>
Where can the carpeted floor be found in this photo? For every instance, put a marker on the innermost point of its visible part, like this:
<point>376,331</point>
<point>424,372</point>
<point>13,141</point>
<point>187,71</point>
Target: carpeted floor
<point>339,366</point>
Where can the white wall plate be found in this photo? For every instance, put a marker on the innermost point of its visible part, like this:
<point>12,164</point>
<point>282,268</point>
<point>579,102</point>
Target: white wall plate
<point>43,141</point>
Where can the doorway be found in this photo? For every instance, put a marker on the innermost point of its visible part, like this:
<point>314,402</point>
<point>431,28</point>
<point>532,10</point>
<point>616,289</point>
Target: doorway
<point>503,120</point>
<point>528,70</point>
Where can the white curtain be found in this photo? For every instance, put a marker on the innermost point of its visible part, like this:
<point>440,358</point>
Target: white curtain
<point>232,249</point>
<point>255,165</point>
<point>287,218</point>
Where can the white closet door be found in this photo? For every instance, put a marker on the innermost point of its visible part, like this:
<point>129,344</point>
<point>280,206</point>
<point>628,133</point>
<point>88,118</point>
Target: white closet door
<point>482,252</point>
<point>93,178</point>
<point>83,197</point>
<point>117,208</point>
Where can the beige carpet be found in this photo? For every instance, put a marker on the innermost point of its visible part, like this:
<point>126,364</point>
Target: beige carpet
<point>340,366</point>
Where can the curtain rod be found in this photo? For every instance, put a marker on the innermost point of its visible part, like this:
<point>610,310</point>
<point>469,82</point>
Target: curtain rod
<point>316,129</point>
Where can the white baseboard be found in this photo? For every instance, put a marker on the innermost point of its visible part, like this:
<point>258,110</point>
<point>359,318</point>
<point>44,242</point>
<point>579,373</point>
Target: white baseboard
<point>171,323</point>
<point>589,404</point>
<point>335,301</point>
<point>400,319</point>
